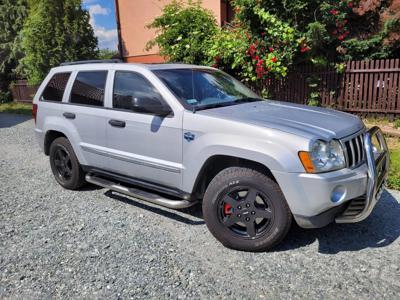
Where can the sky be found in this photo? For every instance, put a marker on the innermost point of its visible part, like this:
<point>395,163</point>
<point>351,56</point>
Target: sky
<point>102,18</point>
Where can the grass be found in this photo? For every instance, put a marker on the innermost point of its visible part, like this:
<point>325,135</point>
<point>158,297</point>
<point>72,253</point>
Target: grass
<point>383,122</point>
<point>394,175</point>
<point>16,108</point>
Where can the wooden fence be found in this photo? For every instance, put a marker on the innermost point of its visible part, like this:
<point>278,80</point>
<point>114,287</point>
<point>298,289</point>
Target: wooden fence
<point>365,87</point>
<point>22,92</point>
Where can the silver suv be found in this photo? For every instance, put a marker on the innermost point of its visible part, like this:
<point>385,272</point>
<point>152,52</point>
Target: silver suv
<point>176,135</point>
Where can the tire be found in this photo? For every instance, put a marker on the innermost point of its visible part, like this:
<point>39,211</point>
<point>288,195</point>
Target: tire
<point>66,169</point>
<point>246,210</point>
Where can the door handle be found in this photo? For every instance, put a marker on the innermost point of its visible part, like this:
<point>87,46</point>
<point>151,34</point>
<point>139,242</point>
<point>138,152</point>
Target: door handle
<point>69,115</point>
<point>117,123</point>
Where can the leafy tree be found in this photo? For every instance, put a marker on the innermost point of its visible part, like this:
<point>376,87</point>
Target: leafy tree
<point>184,32</point>
<point>108,54</point>
<point>12,17</point>
<point>55,31</point>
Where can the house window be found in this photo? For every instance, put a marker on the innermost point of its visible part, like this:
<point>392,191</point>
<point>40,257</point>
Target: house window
<point>227,12</point>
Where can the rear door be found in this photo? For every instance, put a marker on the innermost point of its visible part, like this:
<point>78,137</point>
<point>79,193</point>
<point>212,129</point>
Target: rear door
<point>144,146</point>
<point>85,111</point>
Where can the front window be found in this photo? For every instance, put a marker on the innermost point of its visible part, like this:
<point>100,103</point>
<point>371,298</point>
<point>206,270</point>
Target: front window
<point>200,89</point>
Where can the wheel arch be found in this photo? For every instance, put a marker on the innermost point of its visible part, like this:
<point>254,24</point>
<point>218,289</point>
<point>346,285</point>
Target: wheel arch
<point>216,163</point>
<point>50,136</point>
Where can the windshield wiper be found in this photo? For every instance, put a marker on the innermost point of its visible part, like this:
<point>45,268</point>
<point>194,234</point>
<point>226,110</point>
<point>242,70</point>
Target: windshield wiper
<point>247,100</point>
<point>223,104</point>
<point>215,105</point>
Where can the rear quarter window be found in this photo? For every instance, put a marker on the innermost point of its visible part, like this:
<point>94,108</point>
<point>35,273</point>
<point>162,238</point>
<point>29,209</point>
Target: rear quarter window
<point>54,90</point>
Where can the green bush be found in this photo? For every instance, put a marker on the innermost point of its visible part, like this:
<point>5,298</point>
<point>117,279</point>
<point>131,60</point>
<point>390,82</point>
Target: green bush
<point>4,96</point>
<point>184,32</point>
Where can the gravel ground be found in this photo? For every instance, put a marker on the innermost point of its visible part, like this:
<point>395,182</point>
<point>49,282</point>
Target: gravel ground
<point>92,243</point>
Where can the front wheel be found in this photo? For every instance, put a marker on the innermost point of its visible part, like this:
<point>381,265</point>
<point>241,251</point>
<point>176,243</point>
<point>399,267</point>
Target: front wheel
<point>246,210</point>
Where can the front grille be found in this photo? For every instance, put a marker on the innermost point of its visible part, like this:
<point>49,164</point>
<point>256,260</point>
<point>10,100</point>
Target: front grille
<point>354,151</point>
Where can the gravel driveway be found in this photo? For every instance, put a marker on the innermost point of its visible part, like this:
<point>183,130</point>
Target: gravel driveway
<point>93,243</point>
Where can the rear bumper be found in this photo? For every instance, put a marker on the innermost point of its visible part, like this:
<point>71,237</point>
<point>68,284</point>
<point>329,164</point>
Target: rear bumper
<point>347,195</point>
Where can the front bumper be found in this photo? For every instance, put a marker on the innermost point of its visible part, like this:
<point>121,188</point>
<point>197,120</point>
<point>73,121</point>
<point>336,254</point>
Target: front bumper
<point>347,195</point>
<point>378,168</point>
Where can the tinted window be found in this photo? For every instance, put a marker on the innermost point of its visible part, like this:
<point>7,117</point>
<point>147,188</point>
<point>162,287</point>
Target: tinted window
<point>54,90</point>
<point>89,88</point>
<point>129,86</point>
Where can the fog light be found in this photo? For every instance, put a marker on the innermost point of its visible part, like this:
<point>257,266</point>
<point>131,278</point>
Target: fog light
<point>338,193</point>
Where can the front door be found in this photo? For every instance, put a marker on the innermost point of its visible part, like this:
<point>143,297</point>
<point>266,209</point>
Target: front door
<point>141,145</point>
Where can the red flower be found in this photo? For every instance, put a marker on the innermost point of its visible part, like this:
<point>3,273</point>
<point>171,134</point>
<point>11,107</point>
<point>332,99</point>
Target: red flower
<point>263,34</point>
<point>305,49</point>
<point>350,4</point>
<point>271,49</point>
<point>341,37</point>
<point>274,60</point>
<point>334,12</point>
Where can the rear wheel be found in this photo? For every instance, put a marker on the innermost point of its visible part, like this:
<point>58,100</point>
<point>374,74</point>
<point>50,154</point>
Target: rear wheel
<point>64,164</point>
<point>246,210</point>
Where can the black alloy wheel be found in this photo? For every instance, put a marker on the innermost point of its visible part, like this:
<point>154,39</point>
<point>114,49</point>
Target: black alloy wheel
<point>246,211</point>
<point>65,165</point>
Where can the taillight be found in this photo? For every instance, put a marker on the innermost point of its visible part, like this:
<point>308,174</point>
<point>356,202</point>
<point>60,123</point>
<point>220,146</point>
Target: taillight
<point>34,111</point>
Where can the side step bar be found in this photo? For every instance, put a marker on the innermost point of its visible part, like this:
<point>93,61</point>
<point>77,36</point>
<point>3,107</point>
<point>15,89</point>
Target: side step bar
<point>140,194</point>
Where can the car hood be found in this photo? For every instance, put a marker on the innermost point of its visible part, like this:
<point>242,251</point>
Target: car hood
<point>307,121</point>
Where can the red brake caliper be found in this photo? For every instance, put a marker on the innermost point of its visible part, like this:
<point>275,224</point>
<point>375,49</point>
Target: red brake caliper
<point>227,209</point>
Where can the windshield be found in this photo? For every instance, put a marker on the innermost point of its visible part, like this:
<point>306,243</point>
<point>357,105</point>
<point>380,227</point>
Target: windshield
<point>202,89</point>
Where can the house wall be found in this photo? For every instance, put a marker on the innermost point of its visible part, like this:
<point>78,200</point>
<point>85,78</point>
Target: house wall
<point>134,15</point>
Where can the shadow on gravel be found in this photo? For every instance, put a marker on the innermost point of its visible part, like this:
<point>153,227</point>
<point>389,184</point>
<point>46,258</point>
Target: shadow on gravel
<point>10,120</point>
<point>380,229</point>
<point>194,211</point>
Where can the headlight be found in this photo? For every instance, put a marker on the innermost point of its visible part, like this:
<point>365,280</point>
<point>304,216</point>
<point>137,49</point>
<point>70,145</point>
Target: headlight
<point>323,157</point>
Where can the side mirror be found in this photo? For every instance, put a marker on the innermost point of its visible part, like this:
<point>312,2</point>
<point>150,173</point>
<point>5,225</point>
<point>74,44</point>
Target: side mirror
<point>150,105</point>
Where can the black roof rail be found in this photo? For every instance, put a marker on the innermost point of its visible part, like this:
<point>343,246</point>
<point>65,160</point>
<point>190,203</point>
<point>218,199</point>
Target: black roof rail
<point>84,62</point>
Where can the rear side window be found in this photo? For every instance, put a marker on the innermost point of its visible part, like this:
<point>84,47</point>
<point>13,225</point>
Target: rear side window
<point>88,88</point>
<point>54,90</point>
